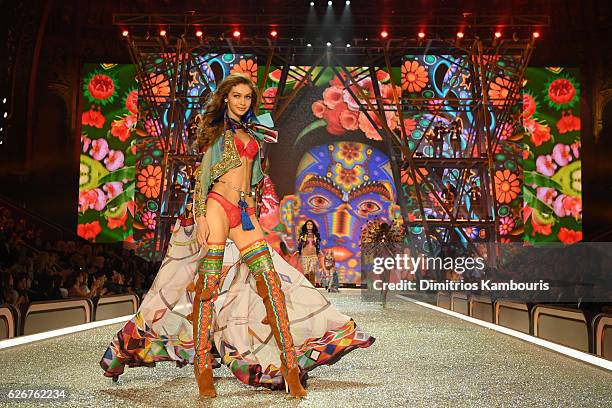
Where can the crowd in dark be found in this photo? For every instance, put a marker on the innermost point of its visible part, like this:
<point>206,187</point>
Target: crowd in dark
<point>33,269</point>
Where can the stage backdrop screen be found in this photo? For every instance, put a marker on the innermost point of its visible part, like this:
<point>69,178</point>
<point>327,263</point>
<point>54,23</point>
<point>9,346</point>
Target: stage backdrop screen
<point>553,182</point>
<point>109,103</point>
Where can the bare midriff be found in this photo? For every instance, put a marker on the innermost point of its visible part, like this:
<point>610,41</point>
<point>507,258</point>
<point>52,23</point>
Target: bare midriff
<point>237,179</point>
<point>309,247</point>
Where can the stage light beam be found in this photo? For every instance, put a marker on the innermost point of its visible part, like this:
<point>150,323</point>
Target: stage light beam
<point>460,34</point>
<point>536,34</point>
<point>421,35</point>
<point>498,34</point>
<point>384,34</point>
<point>236,34</point>
<point>162,33</point>
<point>330,3</point>
<point>312,4</point>
<point>273,33</point>
<point>125,33</point>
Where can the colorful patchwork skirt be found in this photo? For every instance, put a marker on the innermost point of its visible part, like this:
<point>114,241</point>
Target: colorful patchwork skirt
<point>161,330</point>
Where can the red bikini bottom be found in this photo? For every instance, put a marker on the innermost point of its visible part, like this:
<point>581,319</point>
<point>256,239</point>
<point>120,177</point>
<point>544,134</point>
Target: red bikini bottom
<point>232,210</point>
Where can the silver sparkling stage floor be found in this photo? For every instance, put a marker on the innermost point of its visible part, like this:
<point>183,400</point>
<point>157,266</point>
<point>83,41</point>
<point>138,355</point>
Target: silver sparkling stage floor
<point>421,358</point>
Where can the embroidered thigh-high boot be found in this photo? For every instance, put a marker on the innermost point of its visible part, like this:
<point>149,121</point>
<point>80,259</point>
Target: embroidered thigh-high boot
<point>258,258</point>
<point>209,271</point>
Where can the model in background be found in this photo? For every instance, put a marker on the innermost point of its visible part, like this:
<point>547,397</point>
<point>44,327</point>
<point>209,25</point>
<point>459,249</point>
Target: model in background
<point>309,248</point>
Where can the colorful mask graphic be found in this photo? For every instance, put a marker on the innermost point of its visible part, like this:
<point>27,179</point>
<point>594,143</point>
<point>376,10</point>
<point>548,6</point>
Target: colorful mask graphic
<point>340,186</point>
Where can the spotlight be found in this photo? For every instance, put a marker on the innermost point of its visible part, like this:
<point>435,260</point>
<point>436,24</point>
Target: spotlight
<point>309,45</point>
<point>328,44</point>
<point>498,34</point>
<point>199,33</point>
<point>421,35</point>
<point>273,33</point>
<point>384,34</point>
<point>348,3</point>
<point>536,34</point>
<point>459,34</point>
<point>162,33</point>
<point>348,45</point>
<point>312,4</point>
<point>125,33</point>
<point>5,114</point>
<point>329,3</point>
<point>3,100</point>
<point>236,33</point>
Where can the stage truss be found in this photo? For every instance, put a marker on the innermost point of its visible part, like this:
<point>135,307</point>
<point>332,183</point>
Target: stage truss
<point>481,58</point>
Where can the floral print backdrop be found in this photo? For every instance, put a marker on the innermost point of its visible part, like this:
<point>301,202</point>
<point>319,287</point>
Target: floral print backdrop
<point>108,149</point>
<point>553,187</point>
<point>435,78</point>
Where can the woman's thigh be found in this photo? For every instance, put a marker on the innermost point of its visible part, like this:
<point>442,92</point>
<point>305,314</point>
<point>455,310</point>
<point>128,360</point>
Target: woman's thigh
<point>243,238</point>
<point>217,220</point>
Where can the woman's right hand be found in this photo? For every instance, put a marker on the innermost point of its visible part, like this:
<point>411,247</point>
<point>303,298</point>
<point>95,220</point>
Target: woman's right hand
<point>202,230</point>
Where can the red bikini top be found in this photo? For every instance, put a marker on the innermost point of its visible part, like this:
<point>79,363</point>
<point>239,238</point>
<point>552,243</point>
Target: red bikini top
<point>250,150</point>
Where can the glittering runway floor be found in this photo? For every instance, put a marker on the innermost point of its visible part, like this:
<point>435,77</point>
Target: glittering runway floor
<point>421,358</point>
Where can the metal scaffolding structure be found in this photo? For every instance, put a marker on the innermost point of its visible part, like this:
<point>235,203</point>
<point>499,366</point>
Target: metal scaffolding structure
<point>479,59</point>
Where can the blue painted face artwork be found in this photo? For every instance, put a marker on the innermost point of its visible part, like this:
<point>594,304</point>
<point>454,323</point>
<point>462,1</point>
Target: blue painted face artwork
<point>340,186</point>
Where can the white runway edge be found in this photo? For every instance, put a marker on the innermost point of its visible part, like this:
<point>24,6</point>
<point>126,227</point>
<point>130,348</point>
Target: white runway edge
<point>17,341</point>
<point>570,352</point>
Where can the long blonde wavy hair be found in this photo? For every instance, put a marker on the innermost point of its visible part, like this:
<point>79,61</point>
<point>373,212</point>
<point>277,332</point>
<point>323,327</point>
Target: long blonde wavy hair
<point>211,121</point>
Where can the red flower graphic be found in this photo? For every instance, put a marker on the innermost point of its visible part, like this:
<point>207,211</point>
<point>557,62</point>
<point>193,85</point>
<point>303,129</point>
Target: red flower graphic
<point>122,128</point>
<point>561,91</point>
<point>318,109</point>
<point>101,87</point>
<point>131,101</point>
<point>89,231</point>
<point>539,133</point>
<point>529,105</point>
<point>118,221</point>
<point>93,118</point>
<point>568,123</point>
<point>332,117</point>
<point>568,236</point>
<point>349,120</point>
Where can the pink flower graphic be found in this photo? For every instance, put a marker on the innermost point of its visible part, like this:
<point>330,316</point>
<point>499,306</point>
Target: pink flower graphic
<point>152,127</point>
<point>113,189</point>
<point>545,165</point>
<point>561,154</point>
<point>565,206</point>
<point>576,149</point>
<point>114,160</point>
<point>86,143</point>
<point>100,200</point>
<point>148,219</point>
<point>506,224</point>
<point>99,149</point>
<point>546,194</point>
